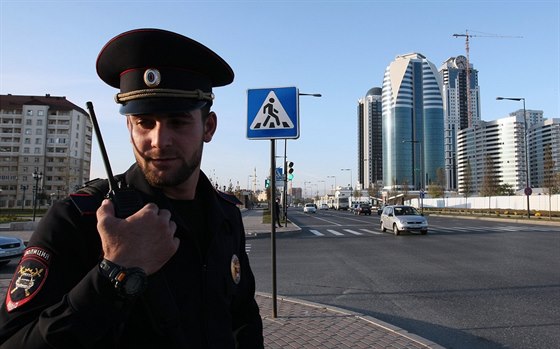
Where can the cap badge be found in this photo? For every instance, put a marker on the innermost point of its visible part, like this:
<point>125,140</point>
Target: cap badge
<point>235,269</point>
<point>152,77</point>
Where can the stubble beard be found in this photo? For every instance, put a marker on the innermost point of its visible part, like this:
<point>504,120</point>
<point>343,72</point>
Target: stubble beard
<point>170,177</point>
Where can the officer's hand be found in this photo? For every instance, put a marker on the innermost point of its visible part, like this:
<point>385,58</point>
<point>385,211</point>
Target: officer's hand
<point>145,239</point>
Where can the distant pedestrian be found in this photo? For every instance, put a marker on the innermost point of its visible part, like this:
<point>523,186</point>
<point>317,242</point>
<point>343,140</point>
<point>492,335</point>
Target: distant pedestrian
<point>277,212</point>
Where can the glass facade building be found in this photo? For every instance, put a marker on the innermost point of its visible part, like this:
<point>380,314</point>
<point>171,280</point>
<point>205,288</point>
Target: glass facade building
<point>456,99</point>
<point>413,127</point>
<point>370,150</point>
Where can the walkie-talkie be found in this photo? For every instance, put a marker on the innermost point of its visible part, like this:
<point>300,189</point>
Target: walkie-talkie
<point>127,201</point>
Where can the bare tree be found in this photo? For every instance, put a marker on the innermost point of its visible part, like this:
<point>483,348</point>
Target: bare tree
<point>551,178</point>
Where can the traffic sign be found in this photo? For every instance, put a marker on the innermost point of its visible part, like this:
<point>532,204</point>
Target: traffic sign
<point>528,191</point>
<point>273,113</point>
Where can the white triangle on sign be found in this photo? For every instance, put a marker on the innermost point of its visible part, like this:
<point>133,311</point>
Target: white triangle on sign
<point>272,115</point>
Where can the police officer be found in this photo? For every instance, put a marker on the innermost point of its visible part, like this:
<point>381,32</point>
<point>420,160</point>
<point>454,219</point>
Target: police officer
<point>175,273</point>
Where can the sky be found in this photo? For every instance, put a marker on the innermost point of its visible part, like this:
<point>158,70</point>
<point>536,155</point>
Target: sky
<point>339,49</point>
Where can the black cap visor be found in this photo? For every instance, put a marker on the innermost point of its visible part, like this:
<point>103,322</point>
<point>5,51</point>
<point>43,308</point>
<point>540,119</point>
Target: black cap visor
<point>161,106</point>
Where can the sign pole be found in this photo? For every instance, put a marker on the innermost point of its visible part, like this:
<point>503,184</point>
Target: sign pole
<point>273,222</point>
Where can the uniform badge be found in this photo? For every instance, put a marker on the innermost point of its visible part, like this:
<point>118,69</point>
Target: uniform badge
<point>29,277</point>
<point>235,269</point>
<point>152,77</point>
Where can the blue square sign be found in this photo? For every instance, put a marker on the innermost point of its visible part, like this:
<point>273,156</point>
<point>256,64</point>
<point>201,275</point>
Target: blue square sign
<point>273,113</point>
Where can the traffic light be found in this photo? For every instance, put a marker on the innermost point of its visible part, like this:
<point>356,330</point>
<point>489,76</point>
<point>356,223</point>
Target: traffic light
<point>290,170</point>
<point>267,183</point>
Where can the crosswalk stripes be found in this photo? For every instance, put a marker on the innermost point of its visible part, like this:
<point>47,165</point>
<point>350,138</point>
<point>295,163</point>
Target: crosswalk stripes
<point>334,232</point>
<point>432,230</point>
<point>372,231</point>
<point>317,233</point>
<point>352,232</point>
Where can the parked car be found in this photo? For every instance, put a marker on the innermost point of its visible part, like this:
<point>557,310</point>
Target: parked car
<point>362,209</point>
<point>310,208</point>
<point>324,207</point>
<point>399,218</point>
<point>11,248</point>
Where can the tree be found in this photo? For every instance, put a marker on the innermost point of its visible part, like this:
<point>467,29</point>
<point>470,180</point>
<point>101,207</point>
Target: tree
<point>467,181</point>
<point>491,179</point>
<point>551,177</point>
<point>437,190</point>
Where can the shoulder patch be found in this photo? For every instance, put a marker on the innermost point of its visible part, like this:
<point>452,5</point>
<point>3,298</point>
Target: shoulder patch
<point>29,277</point>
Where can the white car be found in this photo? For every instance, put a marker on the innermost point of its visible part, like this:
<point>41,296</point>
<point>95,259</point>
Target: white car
<point>324,207</point>
<point>398,218</point>
<point>11,248</point>
<point>309,208</point>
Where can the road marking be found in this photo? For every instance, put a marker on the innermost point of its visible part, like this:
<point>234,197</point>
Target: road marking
<point>316,233</point>
<point>371,231</point>
<point>247,248</point>
<point>352,232</point>
<point>334,232</point>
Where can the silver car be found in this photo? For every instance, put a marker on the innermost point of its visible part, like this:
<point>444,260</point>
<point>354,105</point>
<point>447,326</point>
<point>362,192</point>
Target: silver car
<point>398,218</point>
<point>11,248</point>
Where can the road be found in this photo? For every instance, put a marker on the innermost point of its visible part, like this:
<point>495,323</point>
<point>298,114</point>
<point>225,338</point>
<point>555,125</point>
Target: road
<point>467,284</point>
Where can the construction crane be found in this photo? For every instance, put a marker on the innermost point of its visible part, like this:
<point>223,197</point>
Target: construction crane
<point>468,66</point>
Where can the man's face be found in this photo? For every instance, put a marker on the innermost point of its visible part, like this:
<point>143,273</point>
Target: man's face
<point>168,147</point>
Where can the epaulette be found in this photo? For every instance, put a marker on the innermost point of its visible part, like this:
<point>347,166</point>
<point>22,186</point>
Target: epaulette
<point>229,198</point>
<point>88,198</point>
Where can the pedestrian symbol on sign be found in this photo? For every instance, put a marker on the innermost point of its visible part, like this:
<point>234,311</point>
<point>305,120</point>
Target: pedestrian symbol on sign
<point>272,115</point>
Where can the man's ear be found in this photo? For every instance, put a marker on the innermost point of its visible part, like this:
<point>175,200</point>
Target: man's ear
<point>210,125</point>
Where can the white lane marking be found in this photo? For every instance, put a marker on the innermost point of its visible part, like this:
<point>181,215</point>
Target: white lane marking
<point>334,232</point>
<point>352,232</point>
<point>317,233</point>
<point>371,231</point>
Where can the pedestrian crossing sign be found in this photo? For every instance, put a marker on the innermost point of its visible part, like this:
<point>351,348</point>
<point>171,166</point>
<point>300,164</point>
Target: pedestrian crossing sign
<point>273,113</point>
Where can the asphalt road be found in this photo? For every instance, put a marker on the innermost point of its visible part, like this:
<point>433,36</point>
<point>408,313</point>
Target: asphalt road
<point>467,284</point>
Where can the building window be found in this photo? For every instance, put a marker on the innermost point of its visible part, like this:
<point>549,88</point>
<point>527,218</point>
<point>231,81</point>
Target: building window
<point>29,112</point>
<point>39,122</point>
<point>27,141</point>
<point>28,131</point>
<point>28,122</point>
<point>38,140</point>
<point>39,131</point>
<point>40,113</point>
<point>26,150</point>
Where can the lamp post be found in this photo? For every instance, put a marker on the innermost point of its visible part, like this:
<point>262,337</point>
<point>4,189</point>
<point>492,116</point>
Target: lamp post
<point>23,188</point>
<point>351,186</point>
<point>528,190</point>
<point>422,175</point>
<point>324,187</point>
<point>334,188</point>
<point>36,177</point>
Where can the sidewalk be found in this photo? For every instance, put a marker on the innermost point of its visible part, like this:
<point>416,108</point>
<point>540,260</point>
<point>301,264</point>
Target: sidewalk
<point>301,324</point>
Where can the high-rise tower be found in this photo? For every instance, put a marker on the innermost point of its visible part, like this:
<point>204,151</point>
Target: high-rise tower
<point>412,103</point>
<point>370,151</point>
<point>456,97</point>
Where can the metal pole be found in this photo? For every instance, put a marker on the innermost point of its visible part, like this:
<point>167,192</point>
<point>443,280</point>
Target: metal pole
<point>273,222</point>
<point>527,183</point>
<point>285,202</point>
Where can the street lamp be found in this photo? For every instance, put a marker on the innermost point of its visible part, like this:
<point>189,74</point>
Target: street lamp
<point>334,188</point>
<point>24,188</point>
<point>36,177</point>
<point>422,185</point>
<point>528,190</point>
<point>351,186</point>
<point>324,187</point>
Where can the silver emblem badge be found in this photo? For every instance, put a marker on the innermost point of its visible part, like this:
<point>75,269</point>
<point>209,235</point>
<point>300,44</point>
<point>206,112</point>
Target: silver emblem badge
<point>152,77</point>
<point>235,269</point>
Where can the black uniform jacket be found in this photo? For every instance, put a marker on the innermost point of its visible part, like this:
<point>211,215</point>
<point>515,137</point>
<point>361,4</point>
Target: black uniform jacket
<point>197,300</point>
